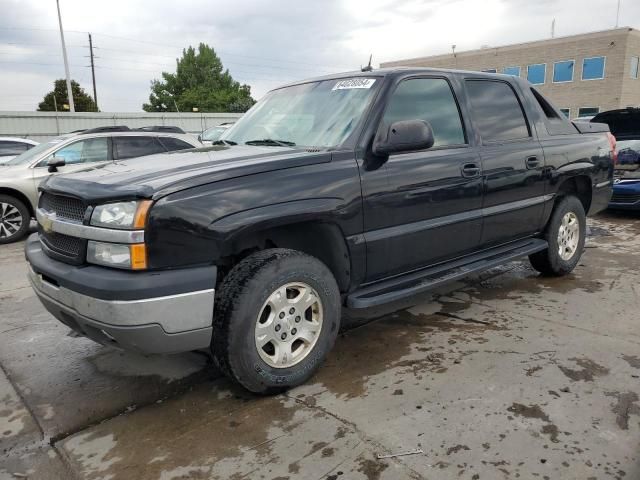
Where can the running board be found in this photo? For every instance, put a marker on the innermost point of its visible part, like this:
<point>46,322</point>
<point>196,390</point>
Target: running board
<point>434,277</point>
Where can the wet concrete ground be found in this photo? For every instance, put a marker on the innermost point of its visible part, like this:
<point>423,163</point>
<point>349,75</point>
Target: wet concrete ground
<point>507,375</point>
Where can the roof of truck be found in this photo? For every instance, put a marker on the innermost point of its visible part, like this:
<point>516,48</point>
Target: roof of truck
<point>392,71</point>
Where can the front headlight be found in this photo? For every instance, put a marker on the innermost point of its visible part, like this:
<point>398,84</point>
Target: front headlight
<point>122,215</point>
<point>117,255</point>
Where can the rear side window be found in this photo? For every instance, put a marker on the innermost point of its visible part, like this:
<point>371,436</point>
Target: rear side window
<point>129,147</point>
<point>556,120</point>
<point>172,144</point>
<point>429,99</point>
<point>496,111</point>
<point>13,148</point>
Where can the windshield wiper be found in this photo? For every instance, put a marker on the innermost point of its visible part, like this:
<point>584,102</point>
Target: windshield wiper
<point>224,142</point>
<point>271,142</point>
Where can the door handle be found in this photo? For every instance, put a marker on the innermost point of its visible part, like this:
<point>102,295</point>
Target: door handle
<point>470,170</point>
<point>532,162</point>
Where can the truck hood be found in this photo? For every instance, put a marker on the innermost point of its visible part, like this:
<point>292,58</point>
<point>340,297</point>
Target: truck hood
<point>155,176</point>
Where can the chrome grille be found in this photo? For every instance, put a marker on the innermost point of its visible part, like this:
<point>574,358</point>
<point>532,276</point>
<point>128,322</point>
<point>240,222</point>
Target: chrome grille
<point>67,208</point>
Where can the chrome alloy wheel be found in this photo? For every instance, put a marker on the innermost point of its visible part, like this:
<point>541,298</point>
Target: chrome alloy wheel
<point>288,325</point>
<point>568,236</point>
<point>10,220</point>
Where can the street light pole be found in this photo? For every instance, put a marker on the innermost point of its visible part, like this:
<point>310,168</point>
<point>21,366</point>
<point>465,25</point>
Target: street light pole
<point>66,61</point>
<point>174,104</point>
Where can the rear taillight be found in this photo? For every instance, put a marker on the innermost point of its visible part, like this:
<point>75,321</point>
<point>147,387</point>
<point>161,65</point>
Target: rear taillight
<point>614,150</point>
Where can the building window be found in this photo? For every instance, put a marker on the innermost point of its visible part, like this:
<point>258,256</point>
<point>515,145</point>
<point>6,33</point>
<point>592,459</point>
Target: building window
<point>566,112</point>
<point>490,70</point>
<point>634,67</point>
<point>588,111</point>
<point>515,71</point>
<point>593,68</point>
<point>536,73</point>
<point>563,71</point>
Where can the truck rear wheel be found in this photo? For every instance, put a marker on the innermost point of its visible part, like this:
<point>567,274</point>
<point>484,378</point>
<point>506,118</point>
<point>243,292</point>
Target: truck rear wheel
<point>276,317</point>
<point>14,219</point>
<point>565,233</point>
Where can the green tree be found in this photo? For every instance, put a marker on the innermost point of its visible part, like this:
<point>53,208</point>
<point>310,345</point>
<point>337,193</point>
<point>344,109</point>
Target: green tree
<point>82,101</point>
<point>199,82</point>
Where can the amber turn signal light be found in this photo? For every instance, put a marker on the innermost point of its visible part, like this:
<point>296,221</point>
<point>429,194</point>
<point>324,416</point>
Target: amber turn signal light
<point>138,256</point>
<point>140,219</point>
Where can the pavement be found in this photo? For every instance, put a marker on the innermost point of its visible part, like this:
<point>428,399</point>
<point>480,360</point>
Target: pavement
<point>505,375</point>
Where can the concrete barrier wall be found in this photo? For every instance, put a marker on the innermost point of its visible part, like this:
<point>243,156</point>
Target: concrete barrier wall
<point>41,126</point>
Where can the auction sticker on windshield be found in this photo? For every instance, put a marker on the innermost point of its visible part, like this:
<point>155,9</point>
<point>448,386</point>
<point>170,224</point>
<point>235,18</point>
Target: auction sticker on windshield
<point>354,83</point>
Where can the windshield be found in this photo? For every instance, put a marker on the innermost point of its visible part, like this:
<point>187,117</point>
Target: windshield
<point>32,153</point>
<point>213,134</point>
<point>318,114</point>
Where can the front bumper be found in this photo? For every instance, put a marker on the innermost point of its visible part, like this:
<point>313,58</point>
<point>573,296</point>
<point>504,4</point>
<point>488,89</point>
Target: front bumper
<point>150,312</point>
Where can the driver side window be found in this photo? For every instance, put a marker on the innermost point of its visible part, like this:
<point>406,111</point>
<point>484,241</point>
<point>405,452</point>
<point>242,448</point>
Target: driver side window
<point>429,99</point>
<point>85,151</point>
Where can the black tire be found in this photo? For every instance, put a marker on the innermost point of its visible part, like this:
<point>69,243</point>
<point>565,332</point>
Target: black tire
<point>8,220</point>
<point>239,301</point>
<point>549,262</point>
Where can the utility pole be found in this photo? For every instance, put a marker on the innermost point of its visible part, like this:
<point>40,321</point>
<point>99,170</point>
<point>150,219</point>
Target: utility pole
<point>72,107</point>
<point>618,14</point>
<point>93,73</point>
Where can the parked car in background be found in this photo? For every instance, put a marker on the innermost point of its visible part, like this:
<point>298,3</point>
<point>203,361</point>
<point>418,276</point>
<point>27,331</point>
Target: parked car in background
<point>359,189</point>
<point>625,126</point>
<point>213,134</point>
<point>84,150</point>
<point>11,147</point>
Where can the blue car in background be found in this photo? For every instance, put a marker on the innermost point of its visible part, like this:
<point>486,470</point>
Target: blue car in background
<point>625,126</point>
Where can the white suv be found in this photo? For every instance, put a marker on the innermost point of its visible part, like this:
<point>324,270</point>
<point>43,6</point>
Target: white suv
<point>11,147</point>
<point>84,150</point>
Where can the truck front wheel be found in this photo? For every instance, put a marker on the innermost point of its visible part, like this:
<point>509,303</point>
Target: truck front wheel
<point>565,234</point>
<point>276,317</point>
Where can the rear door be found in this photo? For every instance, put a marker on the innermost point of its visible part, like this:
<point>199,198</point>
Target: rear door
<point>423,207</point>
<point>136,146</point>
<point>512,162</point>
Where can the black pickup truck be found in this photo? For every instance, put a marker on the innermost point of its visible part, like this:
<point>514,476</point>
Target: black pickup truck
<point>351,190</point>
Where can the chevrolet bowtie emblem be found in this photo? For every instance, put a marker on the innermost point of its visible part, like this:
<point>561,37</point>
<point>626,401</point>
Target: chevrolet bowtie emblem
<point>47,222</point>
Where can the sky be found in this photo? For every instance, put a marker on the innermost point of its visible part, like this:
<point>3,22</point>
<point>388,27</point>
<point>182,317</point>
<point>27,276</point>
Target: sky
<point>263,43</point>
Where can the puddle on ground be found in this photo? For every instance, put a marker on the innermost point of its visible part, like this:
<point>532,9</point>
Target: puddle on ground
<point>587,372</point>
<point>169,367</point>
<point>626,405</point>
<point>534,411</point>
<point>384,344</point>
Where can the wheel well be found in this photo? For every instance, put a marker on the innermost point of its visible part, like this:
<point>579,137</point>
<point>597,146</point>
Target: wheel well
<point>323,241</point>
<point>20,196</point>
<point>578,186</point>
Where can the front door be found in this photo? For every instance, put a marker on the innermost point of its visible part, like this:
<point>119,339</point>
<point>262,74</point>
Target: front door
<point>423,207</point>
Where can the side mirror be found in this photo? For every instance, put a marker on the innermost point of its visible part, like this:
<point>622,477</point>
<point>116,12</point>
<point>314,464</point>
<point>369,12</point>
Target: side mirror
<point>54,163</point>
<point>200,138</point>
<point>403,136</point>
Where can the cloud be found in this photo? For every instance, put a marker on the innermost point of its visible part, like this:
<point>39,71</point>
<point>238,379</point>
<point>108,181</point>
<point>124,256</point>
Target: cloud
<point>262,43</point>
